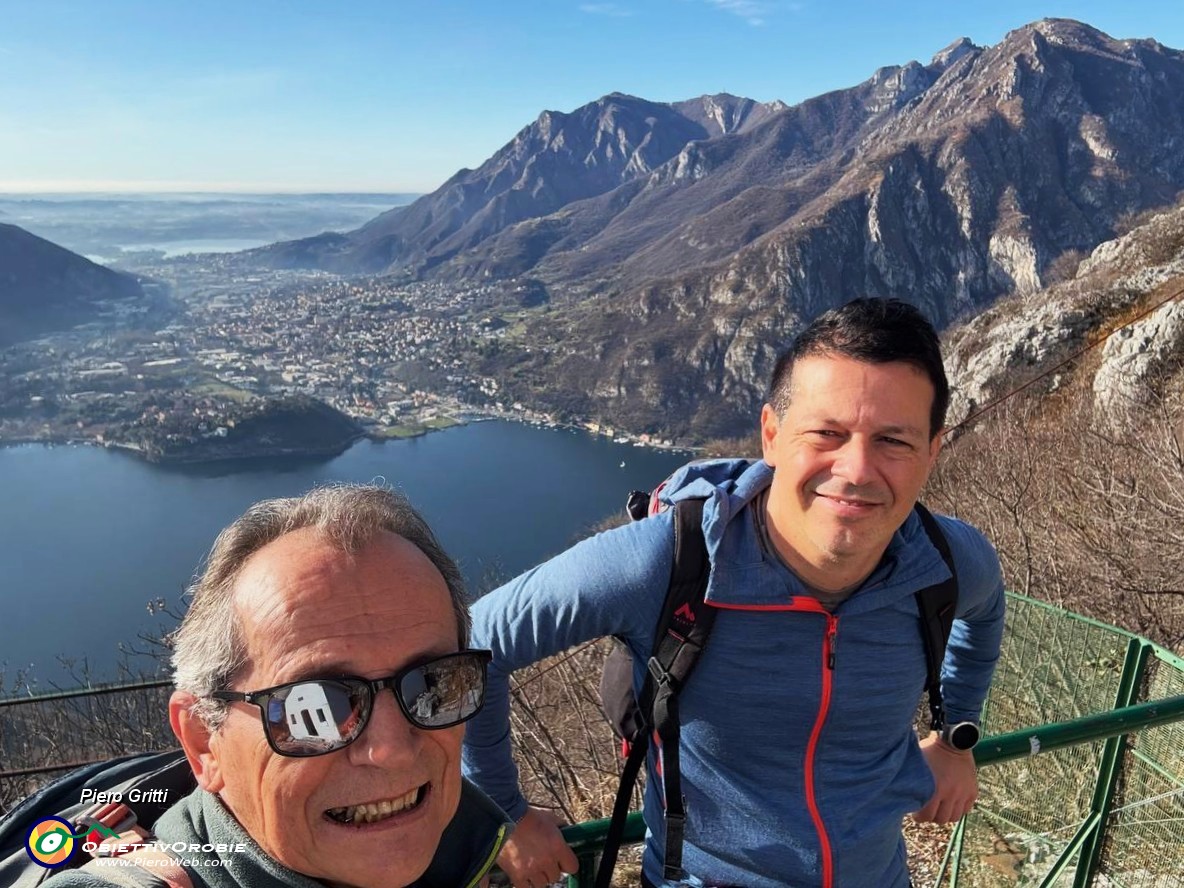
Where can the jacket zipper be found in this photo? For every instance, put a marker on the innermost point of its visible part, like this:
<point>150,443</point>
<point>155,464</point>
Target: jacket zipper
<point>828,669</point>
<point>829,643</point>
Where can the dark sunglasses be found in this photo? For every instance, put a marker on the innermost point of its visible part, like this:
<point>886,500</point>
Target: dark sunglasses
<point>321,715</point>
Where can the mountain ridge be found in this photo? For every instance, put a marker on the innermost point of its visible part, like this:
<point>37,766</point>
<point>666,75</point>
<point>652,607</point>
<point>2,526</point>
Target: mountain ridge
<point>45,287</point>
<point>949,184</point>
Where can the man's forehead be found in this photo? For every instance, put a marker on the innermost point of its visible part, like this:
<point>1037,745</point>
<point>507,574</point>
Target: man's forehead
<point>807,369</point>
<point>818,381</point>
<point>301,588</point>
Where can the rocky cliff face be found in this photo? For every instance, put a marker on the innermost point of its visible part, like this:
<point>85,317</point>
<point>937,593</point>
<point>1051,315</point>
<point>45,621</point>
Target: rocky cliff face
<point>1121,308</point>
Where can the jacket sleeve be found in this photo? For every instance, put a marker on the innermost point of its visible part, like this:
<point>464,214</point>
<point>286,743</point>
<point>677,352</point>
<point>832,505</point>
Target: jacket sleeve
<point>611,584</point>
<point>977,634</point>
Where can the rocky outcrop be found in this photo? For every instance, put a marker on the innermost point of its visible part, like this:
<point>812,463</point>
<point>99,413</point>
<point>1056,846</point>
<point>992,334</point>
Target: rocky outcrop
<point>1125,300</point>
<point>1133,357</point>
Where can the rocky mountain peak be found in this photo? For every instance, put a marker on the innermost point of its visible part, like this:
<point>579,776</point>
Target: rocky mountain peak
<point>723,113</point>
<point>952,53</point>
<point>1070,32</point>
<point>896,86</point>
<point>948,184</point>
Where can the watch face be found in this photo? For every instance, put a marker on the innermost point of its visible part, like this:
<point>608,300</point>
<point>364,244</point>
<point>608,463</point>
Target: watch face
<point>963,735</point>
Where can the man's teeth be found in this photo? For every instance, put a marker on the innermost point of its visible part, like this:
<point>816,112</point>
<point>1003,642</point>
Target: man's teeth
<point>373,811</point>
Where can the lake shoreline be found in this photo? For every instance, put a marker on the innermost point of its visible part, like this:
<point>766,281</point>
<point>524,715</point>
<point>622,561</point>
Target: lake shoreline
<point>409,432</point>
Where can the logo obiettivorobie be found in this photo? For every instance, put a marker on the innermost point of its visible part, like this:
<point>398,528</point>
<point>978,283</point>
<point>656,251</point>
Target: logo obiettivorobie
<point>51,840</point>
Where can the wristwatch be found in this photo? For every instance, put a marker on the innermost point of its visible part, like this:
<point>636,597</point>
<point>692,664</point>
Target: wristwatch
<point>962,736</point>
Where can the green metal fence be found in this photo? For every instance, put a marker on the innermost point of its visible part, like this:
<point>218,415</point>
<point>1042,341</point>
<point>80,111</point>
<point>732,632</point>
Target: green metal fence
<point>1109,811</point>
<point>1082,772</point>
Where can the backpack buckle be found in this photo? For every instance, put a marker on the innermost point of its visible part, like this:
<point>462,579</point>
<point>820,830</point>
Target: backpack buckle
<point>660,674</point>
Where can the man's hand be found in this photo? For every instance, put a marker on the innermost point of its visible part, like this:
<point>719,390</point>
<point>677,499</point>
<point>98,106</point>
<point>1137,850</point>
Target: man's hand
<point>957,782</point>
<point>535,854</point>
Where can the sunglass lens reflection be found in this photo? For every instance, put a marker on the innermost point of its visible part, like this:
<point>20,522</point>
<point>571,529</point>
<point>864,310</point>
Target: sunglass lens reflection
<point>316,716</point>
<point>444,692</point>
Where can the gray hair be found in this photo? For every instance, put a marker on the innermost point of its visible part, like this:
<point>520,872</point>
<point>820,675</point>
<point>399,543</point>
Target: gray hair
<point>208,647</point>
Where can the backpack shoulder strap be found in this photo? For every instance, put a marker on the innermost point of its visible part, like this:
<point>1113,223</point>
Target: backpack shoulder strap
<point>679,639</point>
<point>937,605</point>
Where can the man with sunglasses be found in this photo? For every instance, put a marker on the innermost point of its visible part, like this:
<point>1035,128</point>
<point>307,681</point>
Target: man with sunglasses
<point>323,680</point>
<point>797,754</point>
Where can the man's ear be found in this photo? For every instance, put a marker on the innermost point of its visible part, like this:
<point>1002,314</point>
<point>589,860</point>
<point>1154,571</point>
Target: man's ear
<point>935,447</point>
<point>196,740</point>
<point>770,423</point>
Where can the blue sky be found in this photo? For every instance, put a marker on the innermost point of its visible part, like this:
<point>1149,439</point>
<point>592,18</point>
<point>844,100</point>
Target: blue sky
<point>398,95</point>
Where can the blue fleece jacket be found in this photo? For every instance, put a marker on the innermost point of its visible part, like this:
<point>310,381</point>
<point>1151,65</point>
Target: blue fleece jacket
<point>765,715</point>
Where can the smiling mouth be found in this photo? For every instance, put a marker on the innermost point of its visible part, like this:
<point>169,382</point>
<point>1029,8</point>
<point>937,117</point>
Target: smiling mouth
<point>372,812</point>
<point>846,501</point>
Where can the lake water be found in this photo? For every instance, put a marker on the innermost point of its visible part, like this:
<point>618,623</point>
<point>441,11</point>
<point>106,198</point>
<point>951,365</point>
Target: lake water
<point>89,536</point>
<point>172,249</point>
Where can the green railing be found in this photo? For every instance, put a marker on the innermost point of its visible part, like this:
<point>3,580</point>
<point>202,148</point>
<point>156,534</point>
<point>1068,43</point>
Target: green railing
<point>1082,779</point>
<point>1083,767</point>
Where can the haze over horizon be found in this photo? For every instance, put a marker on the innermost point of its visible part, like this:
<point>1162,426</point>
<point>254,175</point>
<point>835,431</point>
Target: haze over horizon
<point>133,96</point>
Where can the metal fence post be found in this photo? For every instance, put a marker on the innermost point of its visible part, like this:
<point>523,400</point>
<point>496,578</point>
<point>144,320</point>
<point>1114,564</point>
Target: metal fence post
<point>953,855</point>
<point>587,875</point>
<point>1133,667</point>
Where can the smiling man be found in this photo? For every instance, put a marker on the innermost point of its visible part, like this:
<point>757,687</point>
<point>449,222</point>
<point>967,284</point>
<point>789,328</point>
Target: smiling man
<point>323,681</point>
<point>797,752</point>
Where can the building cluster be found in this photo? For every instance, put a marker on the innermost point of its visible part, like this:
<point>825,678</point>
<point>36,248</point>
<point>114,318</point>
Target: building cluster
<point>389,355</point>
<point>394,355</point>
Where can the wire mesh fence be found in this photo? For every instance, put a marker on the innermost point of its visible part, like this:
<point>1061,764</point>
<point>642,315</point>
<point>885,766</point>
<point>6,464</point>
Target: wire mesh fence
<point>1144,844</point>
<point>41,737</point>
<point>1108,812</point>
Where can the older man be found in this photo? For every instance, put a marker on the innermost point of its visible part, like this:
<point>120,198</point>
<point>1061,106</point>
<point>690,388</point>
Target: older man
<point>308,612</point>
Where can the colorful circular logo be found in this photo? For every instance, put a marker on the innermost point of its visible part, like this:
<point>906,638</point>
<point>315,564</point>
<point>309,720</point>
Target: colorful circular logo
<point>50,842</point>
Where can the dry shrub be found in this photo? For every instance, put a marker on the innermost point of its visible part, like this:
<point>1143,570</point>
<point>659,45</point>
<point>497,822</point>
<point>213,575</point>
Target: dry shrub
<point>568,757</point>
<point>60,733</point>
<point>1086,510</point>
<point>1064,267</point>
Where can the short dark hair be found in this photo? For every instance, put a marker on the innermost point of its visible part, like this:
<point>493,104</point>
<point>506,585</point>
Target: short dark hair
<point>877,331</point>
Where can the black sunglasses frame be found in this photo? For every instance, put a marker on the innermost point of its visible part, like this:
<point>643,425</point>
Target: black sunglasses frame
<point>263,697</point>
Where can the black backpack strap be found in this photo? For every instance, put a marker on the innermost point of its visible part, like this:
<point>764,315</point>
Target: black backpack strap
<point>937,605</point>
<point>682,633</point>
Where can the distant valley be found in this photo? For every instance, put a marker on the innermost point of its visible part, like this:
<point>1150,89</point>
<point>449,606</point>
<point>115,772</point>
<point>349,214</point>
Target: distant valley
<point>109,227</point>
<point>637,266</point>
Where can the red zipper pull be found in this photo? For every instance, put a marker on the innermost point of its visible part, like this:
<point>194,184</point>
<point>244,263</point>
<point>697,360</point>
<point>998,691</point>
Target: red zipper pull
<point>832,632</point>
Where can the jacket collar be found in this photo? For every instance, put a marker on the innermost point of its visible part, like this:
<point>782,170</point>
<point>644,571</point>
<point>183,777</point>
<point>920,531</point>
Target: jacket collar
<point>470,843</point>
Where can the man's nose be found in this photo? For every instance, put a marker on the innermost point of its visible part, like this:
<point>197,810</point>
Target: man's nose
<point>854,461</point>
<point>389,739</point>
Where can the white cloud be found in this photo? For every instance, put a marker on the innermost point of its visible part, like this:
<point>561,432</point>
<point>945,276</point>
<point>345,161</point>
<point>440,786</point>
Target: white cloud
<point>609,9</point>
<point>752,11</point>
